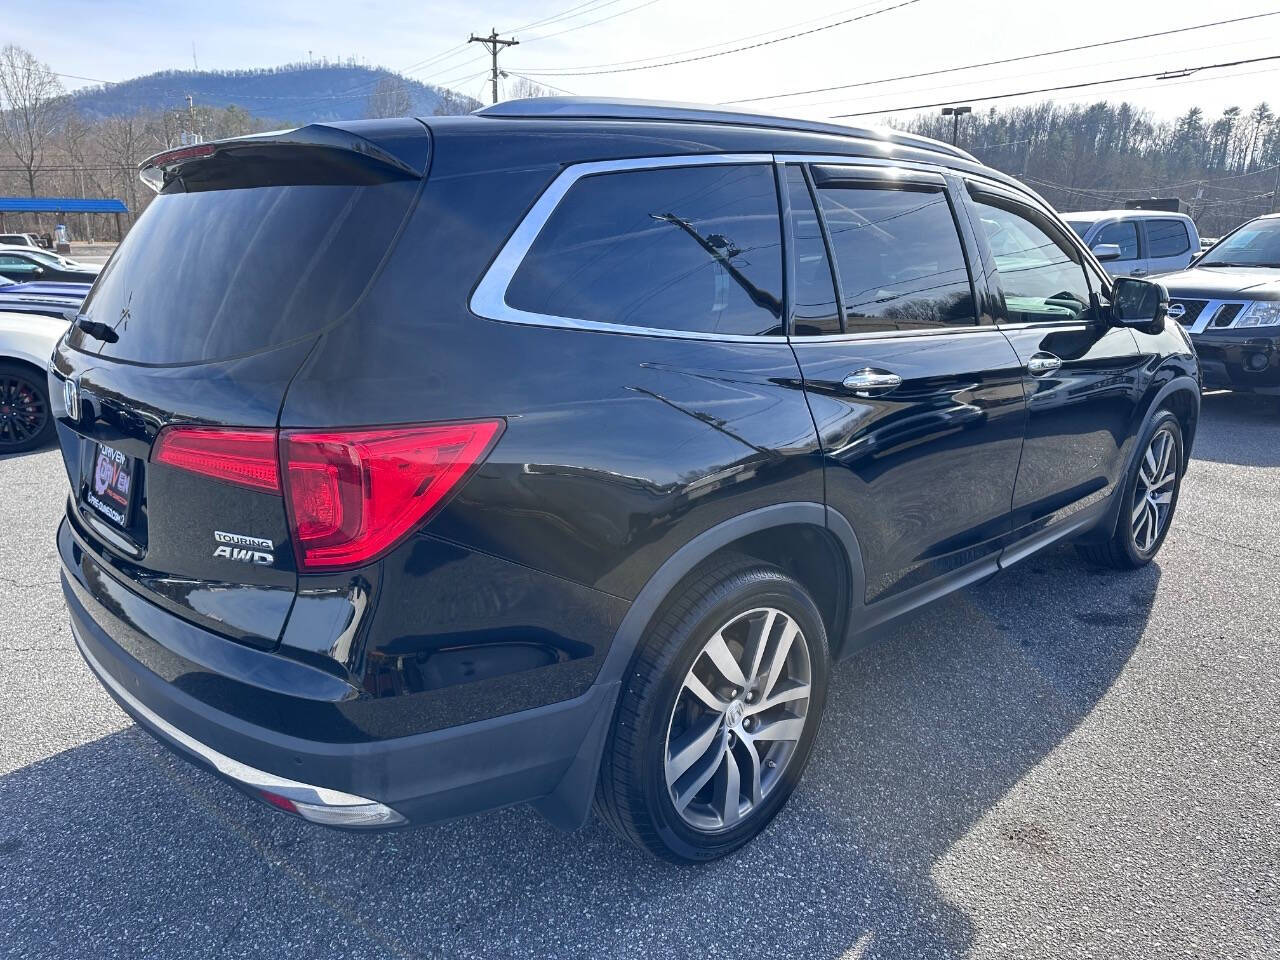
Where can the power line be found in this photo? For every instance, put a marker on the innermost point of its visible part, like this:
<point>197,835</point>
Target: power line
<point>569,14</point>
<point>592,23</point>
<point>722,53</point>
<point>725,43</point>
<point>996,63</point>
<point>1164,74</point>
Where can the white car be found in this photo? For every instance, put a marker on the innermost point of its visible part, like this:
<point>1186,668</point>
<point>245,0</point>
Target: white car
<point>26,343</point>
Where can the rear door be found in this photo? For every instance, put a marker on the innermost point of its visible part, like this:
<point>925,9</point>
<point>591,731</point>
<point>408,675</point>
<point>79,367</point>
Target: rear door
<point>1081,377</point>
<point>918,402</point>
<point>1125,235</point>
<point>201,318</point>
<point>1168,244</point>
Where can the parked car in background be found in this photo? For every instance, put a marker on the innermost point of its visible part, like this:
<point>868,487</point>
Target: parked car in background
<point>1207,242</point>
<point>23,263</point>
<point>1137,243</point>
<point>1229,301</point>
<point>54,299</point>
<point>704,398</point>
<point>20,240</point>
<point>27,340</point>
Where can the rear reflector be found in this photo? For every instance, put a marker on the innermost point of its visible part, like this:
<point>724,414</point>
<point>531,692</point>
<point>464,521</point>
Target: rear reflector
<point>350,495</point>
<point>246,458</point>
<point>353,495</point>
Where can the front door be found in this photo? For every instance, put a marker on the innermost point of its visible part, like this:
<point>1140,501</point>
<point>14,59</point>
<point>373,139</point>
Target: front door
<point>1081,371</point>
<point>1124,234</point>
<point>919,407</point>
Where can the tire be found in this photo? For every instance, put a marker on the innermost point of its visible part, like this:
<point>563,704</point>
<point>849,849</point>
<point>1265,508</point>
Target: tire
<point>1133,545</point>
<point>741,600</point>
<point>26,419</point>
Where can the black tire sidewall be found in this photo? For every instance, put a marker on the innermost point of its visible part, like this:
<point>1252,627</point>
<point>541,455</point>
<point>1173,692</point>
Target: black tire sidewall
<point>764,587</point>
<point>1163,419</point>
<point>41,386</point>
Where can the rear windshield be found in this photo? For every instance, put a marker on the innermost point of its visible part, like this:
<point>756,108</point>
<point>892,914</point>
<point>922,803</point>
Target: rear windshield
<point>221,273</point>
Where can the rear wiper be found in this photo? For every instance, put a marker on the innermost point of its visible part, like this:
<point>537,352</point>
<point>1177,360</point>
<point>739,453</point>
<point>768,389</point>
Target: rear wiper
<point>97,330</point>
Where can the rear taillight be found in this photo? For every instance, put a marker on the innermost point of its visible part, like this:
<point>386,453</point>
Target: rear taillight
<point>350,495</point>
<point>246,458</point>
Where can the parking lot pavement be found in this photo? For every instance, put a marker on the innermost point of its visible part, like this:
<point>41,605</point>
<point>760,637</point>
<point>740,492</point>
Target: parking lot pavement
<point>1058,763</point>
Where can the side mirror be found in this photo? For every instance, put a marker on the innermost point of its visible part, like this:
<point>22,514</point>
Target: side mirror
<point>1108,251</point>
<point>1139,303</point>
<point>38,272</point>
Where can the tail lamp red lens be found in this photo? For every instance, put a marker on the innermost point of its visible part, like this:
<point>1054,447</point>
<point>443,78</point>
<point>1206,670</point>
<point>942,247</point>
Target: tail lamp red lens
<point>243,457</point>
<point>350,495</point>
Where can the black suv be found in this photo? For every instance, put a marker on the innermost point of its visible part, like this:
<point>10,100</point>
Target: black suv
<point>1229,301</point>
<point>553,453</point>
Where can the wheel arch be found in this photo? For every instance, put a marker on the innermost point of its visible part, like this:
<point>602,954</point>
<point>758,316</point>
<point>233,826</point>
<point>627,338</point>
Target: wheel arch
<point>807,540</point>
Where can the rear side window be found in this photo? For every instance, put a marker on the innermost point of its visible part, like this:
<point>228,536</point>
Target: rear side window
<point>1124,234</point>
<point>1167,238</point>
<point>691,249</point>
<point>814,308</point>
<point>220,273</point>
<point>899,258</point>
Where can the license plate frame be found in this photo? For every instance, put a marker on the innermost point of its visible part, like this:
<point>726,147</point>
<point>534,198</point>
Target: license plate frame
<point>108,488</point>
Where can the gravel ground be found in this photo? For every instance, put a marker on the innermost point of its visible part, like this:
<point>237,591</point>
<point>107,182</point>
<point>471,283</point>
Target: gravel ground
<point>1058,763</point>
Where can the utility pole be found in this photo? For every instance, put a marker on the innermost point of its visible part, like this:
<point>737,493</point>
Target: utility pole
<point>493,43</point>
<point>955,113</point>
<point>191,113</point>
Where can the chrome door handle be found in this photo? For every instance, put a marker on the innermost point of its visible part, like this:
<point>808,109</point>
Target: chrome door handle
<point>1138,272</point>
<point>868,381</point>
<point>1043,363</point>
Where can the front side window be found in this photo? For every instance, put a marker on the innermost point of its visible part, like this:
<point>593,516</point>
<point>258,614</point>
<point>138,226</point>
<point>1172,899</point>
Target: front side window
<point>899,258</point>
<point>1040,275</point>
<point>1124,234</point>
<point>691,249</point>
<point>1167,238</point>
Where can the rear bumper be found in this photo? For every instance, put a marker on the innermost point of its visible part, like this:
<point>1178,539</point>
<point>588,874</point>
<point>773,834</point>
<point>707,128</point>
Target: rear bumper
<point>1240,360</point>
<point>547,755</point>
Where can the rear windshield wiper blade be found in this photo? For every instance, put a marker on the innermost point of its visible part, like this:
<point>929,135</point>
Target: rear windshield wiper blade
<point>97,330</point>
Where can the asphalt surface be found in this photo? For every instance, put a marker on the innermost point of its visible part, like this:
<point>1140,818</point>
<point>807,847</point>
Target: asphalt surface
<point>1058,763</point>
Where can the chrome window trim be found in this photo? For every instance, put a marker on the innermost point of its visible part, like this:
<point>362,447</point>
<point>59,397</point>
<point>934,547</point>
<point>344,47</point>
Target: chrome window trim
<point>490,297</point>
<point>488,301</point>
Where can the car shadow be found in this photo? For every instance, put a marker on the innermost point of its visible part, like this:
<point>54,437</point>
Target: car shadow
<point>1239,428</point>
<point>118,848</point>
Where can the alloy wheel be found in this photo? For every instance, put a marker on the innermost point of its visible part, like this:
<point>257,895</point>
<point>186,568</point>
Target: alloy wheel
<point>738,719</point>
<point>23,411</point>
<point>1153,495</point>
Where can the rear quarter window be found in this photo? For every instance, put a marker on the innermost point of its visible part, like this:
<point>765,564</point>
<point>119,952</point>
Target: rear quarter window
<point>690,249</point>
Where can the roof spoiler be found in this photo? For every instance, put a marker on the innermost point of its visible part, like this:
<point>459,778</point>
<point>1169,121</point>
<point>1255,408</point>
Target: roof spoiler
<point>317,153</point>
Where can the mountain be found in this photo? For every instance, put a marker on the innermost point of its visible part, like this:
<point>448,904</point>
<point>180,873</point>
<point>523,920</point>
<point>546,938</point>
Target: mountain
<point>291,94</point>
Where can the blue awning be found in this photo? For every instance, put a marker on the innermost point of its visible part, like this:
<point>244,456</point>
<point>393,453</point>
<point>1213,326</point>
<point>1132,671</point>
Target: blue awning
<point>61,205</point>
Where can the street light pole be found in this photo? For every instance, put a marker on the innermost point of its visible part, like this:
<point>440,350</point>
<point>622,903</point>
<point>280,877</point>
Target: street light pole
<point>955,113</point>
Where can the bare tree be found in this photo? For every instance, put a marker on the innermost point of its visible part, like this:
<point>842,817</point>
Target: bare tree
<point>32,103</point>
<point>452,103</point>
<point>522,88</point>
<point>390,98</point>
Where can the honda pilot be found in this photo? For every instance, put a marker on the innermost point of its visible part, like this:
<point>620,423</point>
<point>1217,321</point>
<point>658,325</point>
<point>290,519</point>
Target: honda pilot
<point>554,453</point>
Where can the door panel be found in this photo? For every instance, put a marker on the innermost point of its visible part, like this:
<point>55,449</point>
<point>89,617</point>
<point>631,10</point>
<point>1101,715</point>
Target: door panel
<point>924,472</point>
<point>919,409</point>
<point>1168,244</point>
<point>1081,373</point>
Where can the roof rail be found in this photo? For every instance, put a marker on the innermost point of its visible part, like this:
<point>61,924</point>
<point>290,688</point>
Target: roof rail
<point>590,108</point>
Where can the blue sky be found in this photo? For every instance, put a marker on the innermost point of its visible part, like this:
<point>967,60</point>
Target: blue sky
<point>117,39</point>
